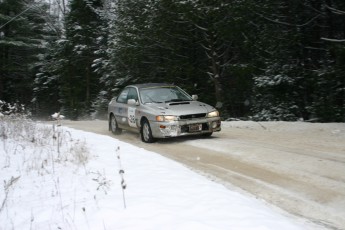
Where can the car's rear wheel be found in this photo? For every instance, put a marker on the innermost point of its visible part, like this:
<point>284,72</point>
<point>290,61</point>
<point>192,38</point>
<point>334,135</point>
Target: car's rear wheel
<point>114,128</point>
<point>146,132</point>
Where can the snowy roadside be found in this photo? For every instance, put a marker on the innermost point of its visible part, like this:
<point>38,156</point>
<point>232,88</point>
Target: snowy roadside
<point>78,186</point>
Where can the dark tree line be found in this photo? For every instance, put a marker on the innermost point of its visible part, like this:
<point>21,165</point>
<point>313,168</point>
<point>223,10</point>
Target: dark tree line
<point>22,35</point>
<point>264,60</point>
<point>302,74</point>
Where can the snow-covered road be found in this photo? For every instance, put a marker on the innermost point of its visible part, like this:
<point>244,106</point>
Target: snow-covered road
<point>296,166</point>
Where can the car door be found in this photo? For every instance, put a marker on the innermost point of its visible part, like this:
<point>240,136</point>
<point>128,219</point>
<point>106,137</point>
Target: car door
<point>125,113</point>
<point>132,108</point>
<point>120,109</point>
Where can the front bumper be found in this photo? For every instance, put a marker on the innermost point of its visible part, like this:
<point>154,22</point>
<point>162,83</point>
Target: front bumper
<point>185,127</point>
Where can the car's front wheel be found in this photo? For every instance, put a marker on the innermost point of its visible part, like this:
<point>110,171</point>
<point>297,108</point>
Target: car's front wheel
<point>114,128</point>
<point>146,132</point>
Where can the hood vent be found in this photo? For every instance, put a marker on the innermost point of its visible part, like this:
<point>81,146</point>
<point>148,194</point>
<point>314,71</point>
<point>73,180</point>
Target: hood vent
<point>180,103</point>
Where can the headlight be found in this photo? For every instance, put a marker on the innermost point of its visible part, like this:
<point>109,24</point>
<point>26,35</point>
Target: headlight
<point>213,114</point>
<point>166,118</point>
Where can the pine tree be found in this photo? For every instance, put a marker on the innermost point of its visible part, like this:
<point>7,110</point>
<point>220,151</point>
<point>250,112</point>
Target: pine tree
<point>298,78</point>
<point>47,82</point>
<point>46,86</point>
<point>188,43</point>
<point>79,82</point>
<point>22,34</point>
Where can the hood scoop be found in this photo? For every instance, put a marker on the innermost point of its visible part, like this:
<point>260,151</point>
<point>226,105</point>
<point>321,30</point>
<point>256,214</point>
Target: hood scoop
<point>180,103</point>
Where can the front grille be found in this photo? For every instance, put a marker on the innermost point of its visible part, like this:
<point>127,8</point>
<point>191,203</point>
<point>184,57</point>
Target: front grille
<point>185,128</point>
<point>192,116</point>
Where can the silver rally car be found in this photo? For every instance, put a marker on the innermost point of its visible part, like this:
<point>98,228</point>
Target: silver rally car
<point>161,111</point>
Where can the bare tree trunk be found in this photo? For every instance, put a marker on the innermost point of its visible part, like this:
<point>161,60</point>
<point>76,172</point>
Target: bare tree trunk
<point>1,87</point>
<point>4,65</point>
<point>63,7</point>
<point>88,76</point>
<point>216,68</point>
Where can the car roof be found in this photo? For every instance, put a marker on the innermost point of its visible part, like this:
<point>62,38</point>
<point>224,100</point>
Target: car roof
<point>149,85</point>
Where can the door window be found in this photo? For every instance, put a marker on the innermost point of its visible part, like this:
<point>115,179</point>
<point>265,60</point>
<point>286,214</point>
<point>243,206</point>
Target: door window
<point>122,98</point>
<point>132,94</point>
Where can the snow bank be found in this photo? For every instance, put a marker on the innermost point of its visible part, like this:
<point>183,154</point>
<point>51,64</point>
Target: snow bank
<point>47,189</point>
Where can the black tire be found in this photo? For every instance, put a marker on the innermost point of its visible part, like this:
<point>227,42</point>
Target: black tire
<point>114,128</point>
<point>146,132</point>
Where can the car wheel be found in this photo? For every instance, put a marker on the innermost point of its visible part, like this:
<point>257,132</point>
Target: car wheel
<point>114,128</point>
<point>146,133</point>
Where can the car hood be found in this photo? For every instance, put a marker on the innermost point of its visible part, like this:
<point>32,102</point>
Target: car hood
<point>181,108</point>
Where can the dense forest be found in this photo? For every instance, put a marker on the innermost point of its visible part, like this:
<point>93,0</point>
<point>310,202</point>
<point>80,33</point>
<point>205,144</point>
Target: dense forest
<point>260,60</point>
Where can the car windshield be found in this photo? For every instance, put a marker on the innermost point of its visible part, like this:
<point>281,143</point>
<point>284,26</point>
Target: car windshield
<point>163,94</point>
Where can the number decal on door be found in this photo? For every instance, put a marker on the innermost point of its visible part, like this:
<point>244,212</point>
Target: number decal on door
<point>131,117</point>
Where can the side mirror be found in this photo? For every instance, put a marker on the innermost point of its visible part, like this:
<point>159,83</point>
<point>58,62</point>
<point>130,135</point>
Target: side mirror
<point>114,99</point>
<point>132,102</point>
<point>195,97</point>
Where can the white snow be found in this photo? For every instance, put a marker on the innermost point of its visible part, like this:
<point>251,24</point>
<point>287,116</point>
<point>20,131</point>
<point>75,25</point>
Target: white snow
<point>57,116</point>
<point>78,186</point>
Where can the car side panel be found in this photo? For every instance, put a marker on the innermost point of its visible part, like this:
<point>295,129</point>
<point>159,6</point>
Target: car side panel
<point>120,111</point>
<point>127,116</point>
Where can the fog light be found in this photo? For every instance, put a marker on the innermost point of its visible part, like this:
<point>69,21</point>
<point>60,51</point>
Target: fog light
<point>214,124</point>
